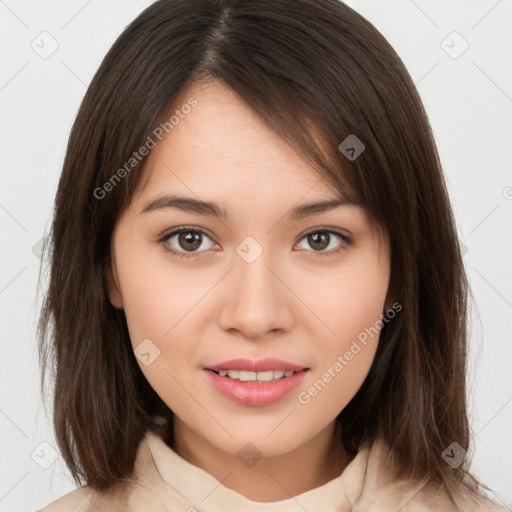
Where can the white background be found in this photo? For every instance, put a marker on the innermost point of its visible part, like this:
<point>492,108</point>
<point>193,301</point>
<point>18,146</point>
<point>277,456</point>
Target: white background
<point>469,102</point>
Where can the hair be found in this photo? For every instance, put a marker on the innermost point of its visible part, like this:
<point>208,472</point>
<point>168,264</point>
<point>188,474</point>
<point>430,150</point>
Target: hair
<point>315,71</point>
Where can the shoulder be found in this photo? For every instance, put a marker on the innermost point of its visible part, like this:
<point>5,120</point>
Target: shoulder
<point>383,491</point>
<point>118,498</point>
<point>430,499</point>
<point>78,500</point>
<point>135,492</point>
<point>414,496</point>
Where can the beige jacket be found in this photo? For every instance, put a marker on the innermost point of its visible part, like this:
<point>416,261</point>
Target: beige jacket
<point>165,482</point>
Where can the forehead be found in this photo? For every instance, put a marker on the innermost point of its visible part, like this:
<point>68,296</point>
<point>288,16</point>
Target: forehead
<point>221,144</point>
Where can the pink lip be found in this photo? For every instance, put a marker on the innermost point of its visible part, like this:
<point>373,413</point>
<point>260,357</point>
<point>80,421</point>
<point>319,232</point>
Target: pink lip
<point>262,365</point>
<point>255,393</point>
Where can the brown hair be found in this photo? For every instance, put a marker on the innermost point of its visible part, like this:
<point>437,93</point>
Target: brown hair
<point>305,67</point>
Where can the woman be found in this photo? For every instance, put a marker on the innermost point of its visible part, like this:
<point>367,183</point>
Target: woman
<point>257,299</point>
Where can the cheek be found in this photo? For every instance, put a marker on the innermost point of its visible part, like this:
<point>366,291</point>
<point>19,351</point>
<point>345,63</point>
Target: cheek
<point>156,295</point>
<point>333,386</point>
<point>351,307</point>
<point>159,308</point>
<point>350,301</point>
<point>162,304</point>
<point>344,359</point>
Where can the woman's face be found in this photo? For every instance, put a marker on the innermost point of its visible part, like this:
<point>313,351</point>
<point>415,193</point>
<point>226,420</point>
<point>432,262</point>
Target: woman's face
<point>254,278</point>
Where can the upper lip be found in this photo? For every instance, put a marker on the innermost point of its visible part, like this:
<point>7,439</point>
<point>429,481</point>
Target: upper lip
<point>260,365</point>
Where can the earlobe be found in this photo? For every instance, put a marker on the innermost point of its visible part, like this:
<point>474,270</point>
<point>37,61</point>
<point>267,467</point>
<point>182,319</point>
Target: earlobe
<point>113,288</point>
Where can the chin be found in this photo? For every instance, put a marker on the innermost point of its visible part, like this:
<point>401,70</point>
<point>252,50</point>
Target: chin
<point>264,442</point>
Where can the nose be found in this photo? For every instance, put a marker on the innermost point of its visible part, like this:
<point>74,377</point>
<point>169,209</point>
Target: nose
<point>255,300</point>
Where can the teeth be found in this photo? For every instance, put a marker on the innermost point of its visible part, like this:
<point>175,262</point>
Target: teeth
<point>245,376</point>
<point>248,376</point>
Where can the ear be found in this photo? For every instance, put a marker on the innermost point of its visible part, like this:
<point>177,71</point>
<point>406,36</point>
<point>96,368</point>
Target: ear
<point>113,287</point>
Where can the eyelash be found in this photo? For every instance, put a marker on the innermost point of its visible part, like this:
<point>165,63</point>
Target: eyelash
<point>175,254</point>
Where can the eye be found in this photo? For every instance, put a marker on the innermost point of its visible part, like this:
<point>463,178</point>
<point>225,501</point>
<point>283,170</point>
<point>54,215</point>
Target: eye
<point>322,239</point>
<point>186,240</point>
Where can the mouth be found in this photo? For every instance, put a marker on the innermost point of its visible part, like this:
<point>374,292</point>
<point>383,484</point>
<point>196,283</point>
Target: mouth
<point>252,382</point>
<point>261,377</point>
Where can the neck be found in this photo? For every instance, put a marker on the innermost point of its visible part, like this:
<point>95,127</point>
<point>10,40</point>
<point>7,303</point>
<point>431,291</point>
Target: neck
<point>320,460</point>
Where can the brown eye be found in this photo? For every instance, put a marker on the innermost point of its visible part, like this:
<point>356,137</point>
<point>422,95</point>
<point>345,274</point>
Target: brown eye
<point>319,240</point>
<point>186,240</point>
<point>323,239</point>
<point>189,240</point>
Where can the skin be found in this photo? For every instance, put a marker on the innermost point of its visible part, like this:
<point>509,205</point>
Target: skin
<point>293,302</point>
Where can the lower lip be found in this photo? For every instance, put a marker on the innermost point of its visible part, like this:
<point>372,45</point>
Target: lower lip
<point>255,393</point>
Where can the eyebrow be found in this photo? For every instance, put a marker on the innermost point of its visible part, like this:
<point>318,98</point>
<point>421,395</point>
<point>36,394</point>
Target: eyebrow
<point>189,204</point>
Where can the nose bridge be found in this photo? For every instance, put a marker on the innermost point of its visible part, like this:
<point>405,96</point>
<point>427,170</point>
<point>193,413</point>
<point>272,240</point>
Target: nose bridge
<point>255,300</point>
<point>254,281</point>
<point>252,267</point>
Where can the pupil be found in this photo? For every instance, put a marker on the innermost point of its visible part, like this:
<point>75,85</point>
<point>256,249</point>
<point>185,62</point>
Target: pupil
<point>189,237</point>
<point>319,240</point>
